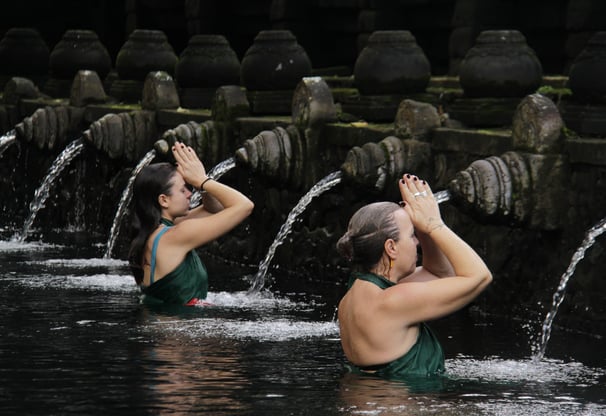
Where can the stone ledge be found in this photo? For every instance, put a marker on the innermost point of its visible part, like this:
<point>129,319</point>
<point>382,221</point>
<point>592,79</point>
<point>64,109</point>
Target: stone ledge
<point>174,117</point>
<point>478,142</point>
<point>94,112</point>
<point>356,134</point>
<point>588,151</point>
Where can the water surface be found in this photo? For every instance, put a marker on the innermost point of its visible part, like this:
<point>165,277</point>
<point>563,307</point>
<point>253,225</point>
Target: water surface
<point>76,341</point>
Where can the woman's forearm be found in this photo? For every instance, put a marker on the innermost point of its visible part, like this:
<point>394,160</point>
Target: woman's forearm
<point>210,203</point>
<point>464,260</point>
<point>226,196</point>
<point>434,259</point>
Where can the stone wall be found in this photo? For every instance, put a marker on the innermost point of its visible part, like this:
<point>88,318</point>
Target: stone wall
<point>437,126</point>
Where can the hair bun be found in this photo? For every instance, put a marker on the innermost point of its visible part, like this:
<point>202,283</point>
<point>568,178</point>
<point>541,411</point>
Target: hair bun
<point>345,246</point>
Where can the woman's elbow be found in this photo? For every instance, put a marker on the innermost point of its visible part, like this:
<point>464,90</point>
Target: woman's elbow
<point>249,207</point>
<point>487,279</point>
<point>245,208</point>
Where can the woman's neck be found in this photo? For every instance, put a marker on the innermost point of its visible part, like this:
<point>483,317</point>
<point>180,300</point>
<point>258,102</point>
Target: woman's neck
<point>166,221</point>
<point>379,273</point>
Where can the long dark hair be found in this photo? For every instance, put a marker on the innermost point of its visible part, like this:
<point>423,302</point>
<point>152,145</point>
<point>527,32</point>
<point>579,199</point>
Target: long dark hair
<point>150,183</point>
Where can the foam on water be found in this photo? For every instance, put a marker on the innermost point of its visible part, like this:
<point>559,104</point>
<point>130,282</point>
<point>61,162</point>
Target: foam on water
<point>271,329</point>
<point>258,300</point>
<point>262,318</point>
<point>530,406</point>
<point>539,372</point>
<point>104,282</point>
<point>17,246</point>
<point>82,263</point>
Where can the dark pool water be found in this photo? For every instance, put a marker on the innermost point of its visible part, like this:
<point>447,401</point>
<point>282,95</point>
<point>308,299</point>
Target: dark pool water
<point>75,341</point>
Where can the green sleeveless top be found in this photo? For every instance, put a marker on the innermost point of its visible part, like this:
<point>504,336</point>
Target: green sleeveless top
<point>425,358</point>
<point>185,284</point>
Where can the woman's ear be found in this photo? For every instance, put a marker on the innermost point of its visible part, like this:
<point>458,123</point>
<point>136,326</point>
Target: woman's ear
<point>390,247</point>
<point>163,200</point>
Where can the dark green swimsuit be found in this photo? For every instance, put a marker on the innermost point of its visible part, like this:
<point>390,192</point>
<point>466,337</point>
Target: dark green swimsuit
<point>186,284</point>
<point>425,358</point>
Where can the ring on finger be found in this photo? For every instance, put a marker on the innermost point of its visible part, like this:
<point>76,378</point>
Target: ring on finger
<point>417,194</point>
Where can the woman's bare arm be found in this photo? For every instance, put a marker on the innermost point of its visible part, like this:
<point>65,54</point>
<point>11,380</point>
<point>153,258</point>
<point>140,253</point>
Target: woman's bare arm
<point>420,301</point>
<point>198,228</point>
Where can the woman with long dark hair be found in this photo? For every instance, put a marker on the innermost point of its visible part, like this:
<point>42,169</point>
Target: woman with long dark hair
<point>162,254</point>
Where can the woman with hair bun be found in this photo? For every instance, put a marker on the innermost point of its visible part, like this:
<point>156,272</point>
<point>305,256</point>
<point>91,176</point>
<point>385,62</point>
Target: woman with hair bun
<point>382,316</point>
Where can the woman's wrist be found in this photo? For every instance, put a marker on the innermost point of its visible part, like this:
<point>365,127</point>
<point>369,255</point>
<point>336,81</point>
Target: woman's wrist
<point>435,227</point>
<point>201,187</point>
<point>433,224</point>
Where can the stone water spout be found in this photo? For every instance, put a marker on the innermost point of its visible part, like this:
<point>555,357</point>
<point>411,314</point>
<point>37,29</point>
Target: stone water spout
<point>519,188</point>
<point>47,127</point>
<point>126,135</point>
<point>523,186</point>
<point>377,165</point>
<point>287,154</point>
<point>276,153</point>
<point>202,137</point>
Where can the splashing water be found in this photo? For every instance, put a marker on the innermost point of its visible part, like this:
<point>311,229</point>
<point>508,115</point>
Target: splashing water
<point>215,173</point>
<point>6,140</point>
<point>127,195</point>
<point>442,196</point>
<point>558,296</point>
<point>61,162</point>
<point>322,186</point>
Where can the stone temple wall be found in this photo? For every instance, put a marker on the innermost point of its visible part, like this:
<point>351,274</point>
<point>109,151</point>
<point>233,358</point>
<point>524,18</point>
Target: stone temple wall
<point>500,102</point>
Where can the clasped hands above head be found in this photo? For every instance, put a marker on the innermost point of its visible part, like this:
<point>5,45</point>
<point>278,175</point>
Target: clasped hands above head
<point>419,203</point>
<point>189,164</point>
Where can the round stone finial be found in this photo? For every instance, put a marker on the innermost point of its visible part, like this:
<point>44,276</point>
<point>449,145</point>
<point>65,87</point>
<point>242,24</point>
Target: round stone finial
<point>145,51</point>
<point>79,50</point>
<point>275,61</point>
<point>207,61</point>
<point>586,77</point>
<point>391,63</point>
<point>500,64</point>
<point>23,53</point>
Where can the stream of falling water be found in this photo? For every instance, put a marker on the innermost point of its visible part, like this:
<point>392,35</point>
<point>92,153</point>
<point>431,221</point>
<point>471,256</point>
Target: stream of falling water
<point>6,140</point>
<point>442,196</point>
<point>59,164</point>
<point>319,188</point>
<point>216,172</point>
<point>127,195</point>
<point>558,296</point>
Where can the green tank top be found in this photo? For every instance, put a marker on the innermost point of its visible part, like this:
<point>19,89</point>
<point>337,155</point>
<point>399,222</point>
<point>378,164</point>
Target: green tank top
<point>184,285</point>
<point>424,359</point>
